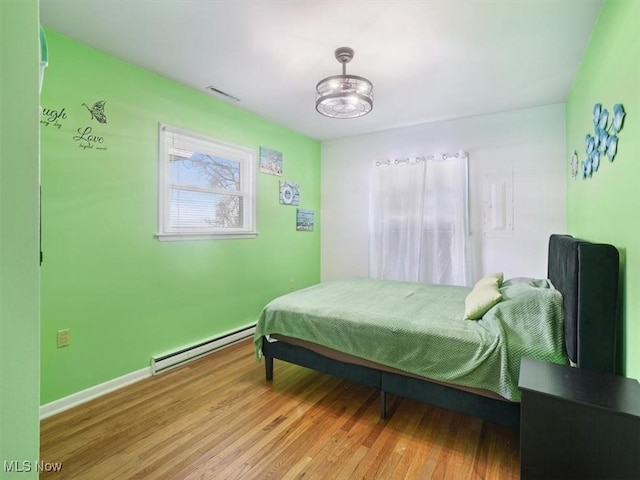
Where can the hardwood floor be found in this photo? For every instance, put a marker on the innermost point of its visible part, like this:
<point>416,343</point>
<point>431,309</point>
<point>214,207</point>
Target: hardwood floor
<point>218,418</point>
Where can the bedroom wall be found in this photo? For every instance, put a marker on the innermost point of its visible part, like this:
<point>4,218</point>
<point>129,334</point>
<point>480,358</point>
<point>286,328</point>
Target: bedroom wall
<point>527,145</point>
<point>125,295</point>
<point>19,276</point>
<point>604,208</point>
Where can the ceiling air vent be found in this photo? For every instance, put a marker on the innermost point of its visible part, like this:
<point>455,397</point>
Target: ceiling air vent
<point>222,94</point>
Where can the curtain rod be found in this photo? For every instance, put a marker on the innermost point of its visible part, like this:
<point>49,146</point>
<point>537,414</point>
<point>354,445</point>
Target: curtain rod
<point>440,157</point>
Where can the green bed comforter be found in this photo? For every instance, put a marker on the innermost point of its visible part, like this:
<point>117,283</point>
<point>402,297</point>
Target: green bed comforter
<point>418,328</point>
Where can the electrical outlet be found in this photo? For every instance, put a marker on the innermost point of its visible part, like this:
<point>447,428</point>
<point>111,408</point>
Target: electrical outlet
<point>64,338</point>
<point>292,284</point>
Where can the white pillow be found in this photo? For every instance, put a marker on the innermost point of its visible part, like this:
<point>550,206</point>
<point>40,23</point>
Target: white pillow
<point>495,278</point>
<point>484,295</point>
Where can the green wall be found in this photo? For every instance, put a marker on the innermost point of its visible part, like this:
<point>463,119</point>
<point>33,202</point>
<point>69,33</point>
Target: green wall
<point>125,295</point>
<point>605,208</point>
<point>19,275</point>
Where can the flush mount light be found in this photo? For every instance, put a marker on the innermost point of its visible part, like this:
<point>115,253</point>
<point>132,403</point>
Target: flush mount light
<point>344,96</point>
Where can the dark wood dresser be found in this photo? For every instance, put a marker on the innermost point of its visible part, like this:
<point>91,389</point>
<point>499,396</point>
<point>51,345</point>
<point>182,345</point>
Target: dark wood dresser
<point>575,423</point>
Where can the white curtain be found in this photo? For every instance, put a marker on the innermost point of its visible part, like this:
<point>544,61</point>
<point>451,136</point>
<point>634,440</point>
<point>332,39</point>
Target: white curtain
<point>418,213</point>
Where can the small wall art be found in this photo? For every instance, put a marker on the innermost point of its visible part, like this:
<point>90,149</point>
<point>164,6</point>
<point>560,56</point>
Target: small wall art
<point>575,166</point>
<point>603,143</point>
<point>289,193</point>
<point>304,220</point>
<point>270,161</point>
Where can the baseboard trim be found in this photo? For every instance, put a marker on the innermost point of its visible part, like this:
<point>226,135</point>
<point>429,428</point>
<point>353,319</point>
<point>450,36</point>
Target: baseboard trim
<point>75,399</point>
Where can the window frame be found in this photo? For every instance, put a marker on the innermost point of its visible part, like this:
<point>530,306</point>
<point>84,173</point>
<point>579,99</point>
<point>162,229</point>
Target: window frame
<point>246,157</point>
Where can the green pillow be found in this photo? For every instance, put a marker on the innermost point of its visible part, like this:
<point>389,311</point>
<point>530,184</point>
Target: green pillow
<point>484,295</point>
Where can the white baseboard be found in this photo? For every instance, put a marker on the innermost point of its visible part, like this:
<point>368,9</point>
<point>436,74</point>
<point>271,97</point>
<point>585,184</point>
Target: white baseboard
<point>83,396</point>
<point>75,399</point>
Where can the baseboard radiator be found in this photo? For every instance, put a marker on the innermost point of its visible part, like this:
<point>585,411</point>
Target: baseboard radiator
<point>167,361</point>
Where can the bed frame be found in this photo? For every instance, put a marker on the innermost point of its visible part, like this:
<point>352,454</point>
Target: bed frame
<point>587,276</point>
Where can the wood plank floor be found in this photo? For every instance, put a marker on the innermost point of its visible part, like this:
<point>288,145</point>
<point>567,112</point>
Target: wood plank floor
<point>217,418</point>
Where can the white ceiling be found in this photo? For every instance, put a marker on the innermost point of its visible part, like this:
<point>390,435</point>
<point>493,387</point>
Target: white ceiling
<point>428,60</point>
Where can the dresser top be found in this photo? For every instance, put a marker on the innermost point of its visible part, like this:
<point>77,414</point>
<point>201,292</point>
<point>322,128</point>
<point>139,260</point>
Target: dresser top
<point>611,392</point>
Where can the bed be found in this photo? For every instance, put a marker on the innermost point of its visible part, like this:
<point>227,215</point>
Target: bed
<point>469,366</point>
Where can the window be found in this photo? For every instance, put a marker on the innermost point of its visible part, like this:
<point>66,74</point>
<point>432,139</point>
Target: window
<point>206,188</point>
<point>419,220</point>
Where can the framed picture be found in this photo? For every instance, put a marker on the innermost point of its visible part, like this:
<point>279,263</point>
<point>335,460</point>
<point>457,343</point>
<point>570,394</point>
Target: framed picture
<point>270,161</point>
<point>289,193</point>
<point>304,220</point>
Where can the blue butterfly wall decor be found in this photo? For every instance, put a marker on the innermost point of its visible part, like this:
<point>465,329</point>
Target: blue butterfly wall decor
<point>604,140</point>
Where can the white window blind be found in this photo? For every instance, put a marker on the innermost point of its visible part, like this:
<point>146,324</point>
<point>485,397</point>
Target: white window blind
<point>206,187</point>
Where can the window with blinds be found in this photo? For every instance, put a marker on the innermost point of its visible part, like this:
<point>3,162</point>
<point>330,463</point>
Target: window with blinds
<point>206,187</point>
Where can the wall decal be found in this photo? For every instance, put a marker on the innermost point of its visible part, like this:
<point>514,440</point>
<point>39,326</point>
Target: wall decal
<point>86,137</point>
<point>304,220</point>
<point>53,118</point>
<point>97,111</point>
<point>604,141</point>
<point>289,193</point>
<point>88,140</point>
<point>270,161</point>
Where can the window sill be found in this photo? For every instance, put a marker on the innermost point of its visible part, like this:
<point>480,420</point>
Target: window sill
<point>183,237</point>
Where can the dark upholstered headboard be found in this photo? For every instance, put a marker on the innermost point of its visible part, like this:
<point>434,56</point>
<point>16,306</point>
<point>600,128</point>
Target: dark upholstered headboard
<point>587,276</point>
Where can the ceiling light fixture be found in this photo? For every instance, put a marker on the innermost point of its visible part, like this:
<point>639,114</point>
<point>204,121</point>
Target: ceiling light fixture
<point>344,96</point>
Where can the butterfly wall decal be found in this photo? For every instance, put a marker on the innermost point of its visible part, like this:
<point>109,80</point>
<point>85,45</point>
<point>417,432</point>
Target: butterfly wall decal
<point>97,111</point>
